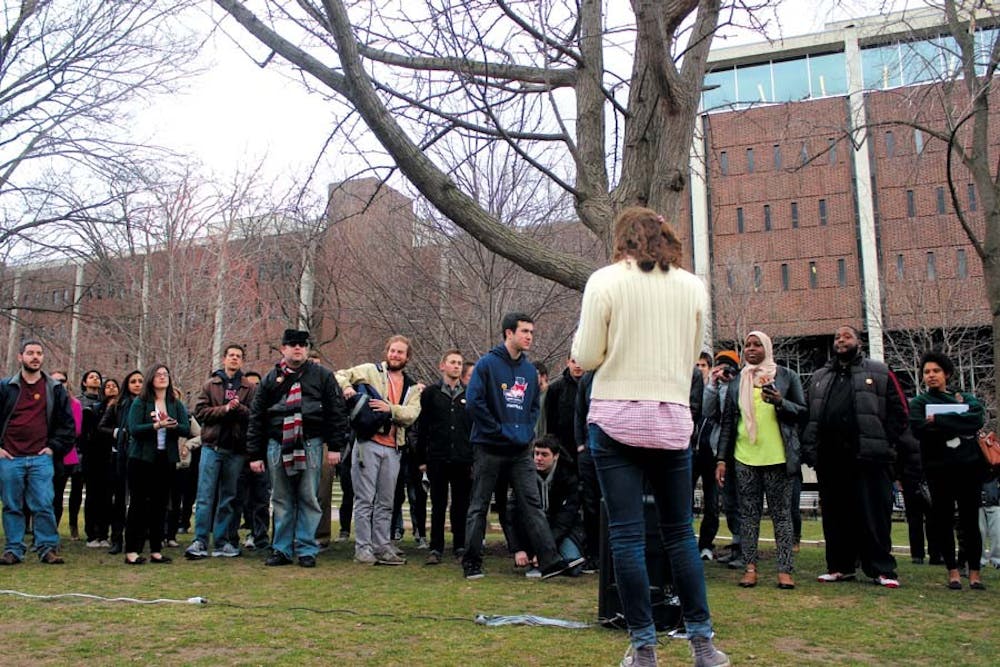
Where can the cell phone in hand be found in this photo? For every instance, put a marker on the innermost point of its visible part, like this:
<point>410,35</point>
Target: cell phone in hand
<point>769,387</point>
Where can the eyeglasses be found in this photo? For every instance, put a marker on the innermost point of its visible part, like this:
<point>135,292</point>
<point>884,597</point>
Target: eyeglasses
<point>161,374</point>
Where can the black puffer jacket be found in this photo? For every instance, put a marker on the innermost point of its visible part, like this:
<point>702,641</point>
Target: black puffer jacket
<point>879,408</point>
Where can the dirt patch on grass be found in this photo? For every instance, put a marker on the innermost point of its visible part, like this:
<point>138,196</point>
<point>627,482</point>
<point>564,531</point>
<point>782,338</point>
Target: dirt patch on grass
<point>797,647</point>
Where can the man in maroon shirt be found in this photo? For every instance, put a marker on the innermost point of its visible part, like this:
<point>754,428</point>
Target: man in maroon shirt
<point>36,429</point>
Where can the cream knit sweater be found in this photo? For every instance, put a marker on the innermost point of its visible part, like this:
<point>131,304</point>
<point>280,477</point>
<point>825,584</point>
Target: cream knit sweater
<point>642,331</point>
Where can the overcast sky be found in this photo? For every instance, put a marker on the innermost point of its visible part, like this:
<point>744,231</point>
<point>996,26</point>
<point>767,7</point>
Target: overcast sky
<point>237,113</point>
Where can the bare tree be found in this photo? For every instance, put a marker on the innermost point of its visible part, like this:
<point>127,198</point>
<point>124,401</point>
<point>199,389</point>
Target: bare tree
<point>604,109</point>
<point>68,71</point>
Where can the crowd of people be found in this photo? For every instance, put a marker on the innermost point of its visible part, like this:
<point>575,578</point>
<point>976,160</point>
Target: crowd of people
<point>628,415</point>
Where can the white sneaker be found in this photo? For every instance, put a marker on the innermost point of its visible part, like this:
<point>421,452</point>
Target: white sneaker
<point>533,573</point>
<point>249,544</point>
<point>365,557</point>
<point>95,544</point>
<point>706,554</point>
<point>887,582</point>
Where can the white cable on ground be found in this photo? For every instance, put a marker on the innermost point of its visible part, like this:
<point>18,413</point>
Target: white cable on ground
<point>88,596</point>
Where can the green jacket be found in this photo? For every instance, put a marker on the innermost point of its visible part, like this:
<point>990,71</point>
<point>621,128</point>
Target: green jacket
<point>938,446</point>
<point>142,444</point>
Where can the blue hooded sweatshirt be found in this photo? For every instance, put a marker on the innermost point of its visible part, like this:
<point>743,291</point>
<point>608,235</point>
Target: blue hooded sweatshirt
<point>502,402</point>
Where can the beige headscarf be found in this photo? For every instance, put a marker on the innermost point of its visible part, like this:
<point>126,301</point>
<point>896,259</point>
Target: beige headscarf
<point>755,375</point>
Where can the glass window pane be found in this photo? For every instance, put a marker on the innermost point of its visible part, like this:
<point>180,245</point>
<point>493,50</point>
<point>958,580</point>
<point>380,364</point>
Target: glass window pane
<point>828,74</point>
<point>921,61</point>
<point>724,94</point>
<point>984,47</point>
<point>753,84</point>
<point>880,66</point>
<point>951,54</point>
<point>791,80</point>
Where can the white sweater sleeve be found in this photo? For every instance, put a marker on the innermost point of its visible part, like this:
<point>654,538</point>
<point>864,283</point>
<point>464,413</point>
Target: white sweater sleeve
<point>591,341</point>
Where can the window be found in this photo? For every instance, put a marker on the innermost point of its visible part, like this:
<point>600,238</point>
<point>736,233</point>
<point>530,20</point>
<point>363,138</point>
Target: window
<point>973,205</point>
<point>739,220</point>
<point>777,157</point>
<point>784,277</point>
<point>804,154</point>
<point>899,267</point>
<point>822,212</point>
<point>918,141</point>
<point>931,266</point>
<point>795,215</point>
<point>730,280</point>
<point>890,143</point>
<point>758,277</point>
<point>813,276</point>
<point>720,89</point>
<point>940,200</point>
<point>724,163</point>
<point>911,204</point>
<point>767,217</point>
<point>842,273</point>
<point>827,74</point>
<point>961,264</point>
<point>753,83</point>
<point>749,160</point>
<point>831,147</point>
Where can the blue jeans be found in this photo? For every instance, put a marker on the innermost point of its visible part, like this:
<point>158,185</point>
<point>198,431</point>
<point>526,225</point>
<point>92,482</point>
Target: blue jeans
<point>295,500</point>
<point>26,481</point>
<point>620,470</point>
<point>218,473</point>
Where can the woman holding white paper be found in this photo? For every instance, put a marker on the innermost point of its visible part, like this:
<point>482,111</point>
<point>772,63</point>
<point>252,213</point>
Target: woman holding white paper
<point>946,423</point>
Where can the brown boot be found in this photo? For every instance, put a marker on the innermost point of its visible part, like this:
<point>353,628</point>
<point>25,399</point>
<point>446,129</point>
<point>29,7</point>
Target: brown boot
<point>749,579</point>
<point>785,581</point>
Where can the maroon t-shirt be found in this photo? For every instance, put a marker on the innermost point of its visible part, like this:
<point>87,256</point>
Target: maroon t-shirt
<point>27,431</point>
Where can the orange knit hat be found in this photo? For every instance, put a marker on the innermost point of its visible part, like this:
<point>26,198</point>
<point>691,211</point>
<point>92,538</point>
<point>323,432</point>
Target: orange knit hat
<point>728,355</point>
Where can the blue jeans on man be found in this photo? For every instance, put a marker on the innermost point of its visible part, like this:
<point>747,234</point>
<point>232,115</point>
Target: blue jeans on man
<point>620,470</point>
<point>295,501</point>
<point>218,475</point>
<point>26,482</point>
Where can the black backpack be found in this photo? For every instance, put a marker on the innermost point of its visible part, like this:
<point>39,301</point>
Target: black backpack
<point>365,421</point>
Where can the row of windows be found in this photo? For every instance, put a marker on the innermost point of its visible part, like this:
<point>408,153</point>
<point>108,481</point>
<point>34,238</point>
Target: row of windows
<point>824,75</point>
<point>777,162</point>
<point>961,265</point>
<point>821,211</point>
<point>786,277</point>
<point>961,271</point>
<point>941,200</point>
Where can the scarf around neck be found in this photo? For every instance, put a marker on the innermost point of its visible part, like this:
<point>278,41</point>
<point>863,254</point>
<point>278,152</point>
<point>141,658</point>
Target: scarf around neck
<point>293,453</point>
<point>755,375</point>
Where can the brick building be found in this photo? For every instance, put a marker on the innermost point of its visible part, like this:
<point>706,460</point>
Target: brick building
<point>824,205</point>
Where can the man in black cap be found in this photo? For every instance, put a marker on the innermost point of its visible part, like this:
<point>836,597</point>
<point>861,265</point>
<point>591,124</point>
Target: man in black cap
<point>297,410</point>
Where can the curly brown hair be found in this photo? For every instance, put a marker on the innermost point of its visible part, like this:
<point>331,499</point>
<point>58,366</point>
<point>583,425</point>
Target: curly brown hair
<point>643,235</point>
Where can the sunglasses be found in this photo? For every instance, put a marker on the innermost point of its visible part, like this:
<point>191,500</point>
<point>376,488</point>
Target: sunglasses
<point>297,344</point>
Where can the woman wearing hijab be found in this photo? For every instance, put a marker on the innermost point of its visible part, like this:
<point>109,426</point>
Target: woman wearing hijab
<point>759,441</point>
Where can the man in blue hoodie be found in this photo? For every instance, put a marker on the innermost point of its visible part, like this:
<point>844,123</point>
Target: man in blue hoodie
<point>502,402</point>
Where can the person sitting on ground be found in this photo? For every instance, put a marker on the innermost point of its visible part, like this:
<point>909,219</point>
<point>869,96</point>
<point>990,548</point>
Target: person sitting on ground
<point>559,491</point>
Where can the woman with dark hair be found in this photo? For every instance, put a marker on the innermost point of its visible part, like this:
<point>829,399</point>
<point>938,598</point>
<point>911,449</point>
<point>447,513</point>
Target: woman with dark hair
<point>946,423</point>
<point>97,468</point>
<point>156,419</point>
<point>114,428</point>
<point>641,327</point>
<point>759,444</point>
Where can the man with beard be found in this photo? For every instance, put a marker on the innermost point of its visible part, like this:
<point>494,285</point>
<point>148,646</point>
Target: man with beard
<point>223,408</point>
<point>375,461</point>
<point>37,428</point>
<point>298,409</point>
<point>857,422</point>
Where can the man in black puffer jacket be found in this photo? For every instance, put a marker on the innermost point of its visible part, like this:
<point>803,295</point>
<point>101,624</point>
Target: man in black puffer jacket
<point>857,423</point>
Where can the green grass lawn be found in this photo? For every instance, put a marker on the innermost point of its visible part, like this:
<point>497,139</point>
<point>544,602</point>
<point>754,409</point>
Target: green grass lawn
<point>349,614</point>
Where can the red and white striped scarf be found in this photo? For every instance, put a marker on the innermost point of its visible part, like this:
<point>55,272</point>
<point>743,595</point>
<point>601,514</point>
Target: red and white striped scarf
<point>293,453</point>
